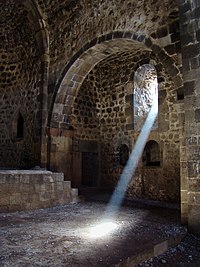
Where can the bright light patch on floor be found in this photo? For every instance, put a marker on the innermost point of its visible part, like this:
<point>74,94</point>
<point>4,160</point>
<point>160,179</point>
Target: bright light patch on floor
<point>102,229</point>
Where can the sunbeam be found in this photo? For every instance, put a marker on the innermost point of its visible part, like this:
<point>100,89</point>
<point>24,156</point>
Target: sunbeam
<point>132,162</point>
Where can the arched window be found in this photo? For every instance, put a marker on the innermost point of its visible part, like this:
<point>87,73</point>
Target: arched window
<point>123,154</point>
<point>145,93</point>
<point>151,154</point>
<point>20,126</point>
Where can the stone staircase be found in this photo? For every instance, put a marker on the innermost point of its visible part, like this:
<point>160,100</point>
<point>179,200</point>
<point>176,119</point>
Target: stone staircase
<point>34,189</point>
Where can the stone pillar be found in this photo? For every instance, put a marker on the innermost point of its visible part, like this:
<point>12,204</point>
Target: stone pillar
<point>42,36</point>
<point>43,111</point>
<point>190,40</point>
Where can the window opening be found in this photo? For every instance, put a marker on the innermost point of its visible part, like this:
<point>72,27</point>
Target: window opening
<point>145,93</point>
<point>151,154</point>
<point>20,126</point>
<point>123,154</point>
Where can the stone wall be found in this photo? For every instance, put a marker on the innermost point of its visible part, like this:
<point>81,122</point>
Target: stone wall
<point>20,73</point>
<point>27,190</point>
<point>106,98</point>
<point>190,145</point>
<point>85,118</point>
<point>73,25</point>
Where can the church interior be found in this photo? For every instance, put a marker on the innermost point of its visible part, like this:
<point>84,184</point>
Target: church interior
<point>94,91</point>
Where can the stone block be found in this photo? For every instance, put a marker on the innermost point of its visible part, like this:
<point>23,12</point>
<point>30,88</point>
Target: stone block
<point>191,198</point>
<point>59,186</point>
<point>189,88</point>
<point>194,219</point>
<point>47,179</point>
<point>162,32</point>
<point>39,187</point>
<point>184,196</point>
<point>25,179</point>
<point>4,208</point>
<point>58,177</point>
<point>197,115</point>
<point>170,49</point>
<point>2,179</point>
<point>197,197</point>
<point>25,199</point>
<point>67,184</point>
<point>191,51</point>
<point>58,194</point>
<point>27,206</point>
<point>160,248</point>
<point>3,189</point>
<point>26,188</point>
<point>15,199</point>
<point>15,207</point>
<point>193,185</point>
<point>67,194</point>
<point>74,192</point>
<point>12,179</point>
<point>130,126</point>
<point>44,196</point>
<point>49,187</point>
<point>4,200</point>
<point>193,169</point>
<point>13,188</point>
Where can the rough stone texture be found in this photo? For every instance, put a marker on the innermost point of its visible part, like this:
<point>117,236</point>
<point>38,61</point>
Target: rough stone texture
<point>191,147</point>
<point>68,68</point>
<point>19,86</point>
<point>27,190</point>
<point>103,111</point>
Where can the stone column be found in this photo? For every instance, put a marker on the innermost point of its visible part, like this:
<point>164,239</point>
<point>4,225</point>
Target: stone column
<point>42,36</point>
<point>190,180</point>
<point>43,111</point>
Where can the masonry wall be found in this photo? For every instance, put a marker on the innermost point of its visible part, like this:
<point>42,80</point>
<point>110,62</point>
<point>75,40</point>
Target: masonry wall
<point>28,190</point>
<point>110,106</point>
<point>102,111</point>
<point>74,24</point>
<point>190,149</point>
<point>20,72</point>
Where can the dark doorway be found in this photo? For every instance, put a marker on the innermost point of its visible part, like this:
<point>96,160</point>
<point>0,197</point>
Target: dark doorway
<point>89,168</point>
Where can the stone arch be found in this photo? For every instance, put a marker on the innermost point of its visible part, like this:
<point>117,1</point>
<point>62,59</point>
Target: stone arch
<point>37,19</point>
<point>90,55</point>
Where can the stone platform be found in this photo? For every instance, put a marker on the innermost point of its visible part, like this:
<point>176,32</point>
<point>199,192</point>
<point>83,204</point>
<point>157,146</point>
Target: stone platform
<point>34,189</point>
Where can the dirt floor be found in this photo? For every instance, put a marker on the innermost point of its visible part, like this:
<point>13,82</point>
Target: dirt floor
<point>61,236</point>
<point>185,254</point>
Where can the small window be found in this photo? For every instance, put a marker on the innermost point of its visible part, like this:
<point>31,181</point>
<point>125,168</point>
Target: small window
<point>180,93</point>
<point>151,154</point>
<point>20,126</point>
<point>145,93</point>
<point>123,154</point>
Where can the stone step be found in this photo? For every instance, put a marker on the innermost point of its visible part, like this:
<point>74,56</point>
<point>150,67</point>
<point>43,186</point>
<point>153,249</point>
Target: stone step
<point>67,184</point>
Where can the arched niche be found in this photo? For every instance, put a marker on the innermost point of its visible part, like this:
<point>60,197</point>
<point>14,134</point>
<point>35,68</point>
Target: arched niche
<point>123,154</point>
<point>18,127</point>
<point>151,154</point>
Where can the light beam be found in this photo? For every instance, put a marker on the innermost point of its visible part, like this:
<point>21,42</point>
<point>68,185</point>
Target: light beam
<point>133,160</point>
